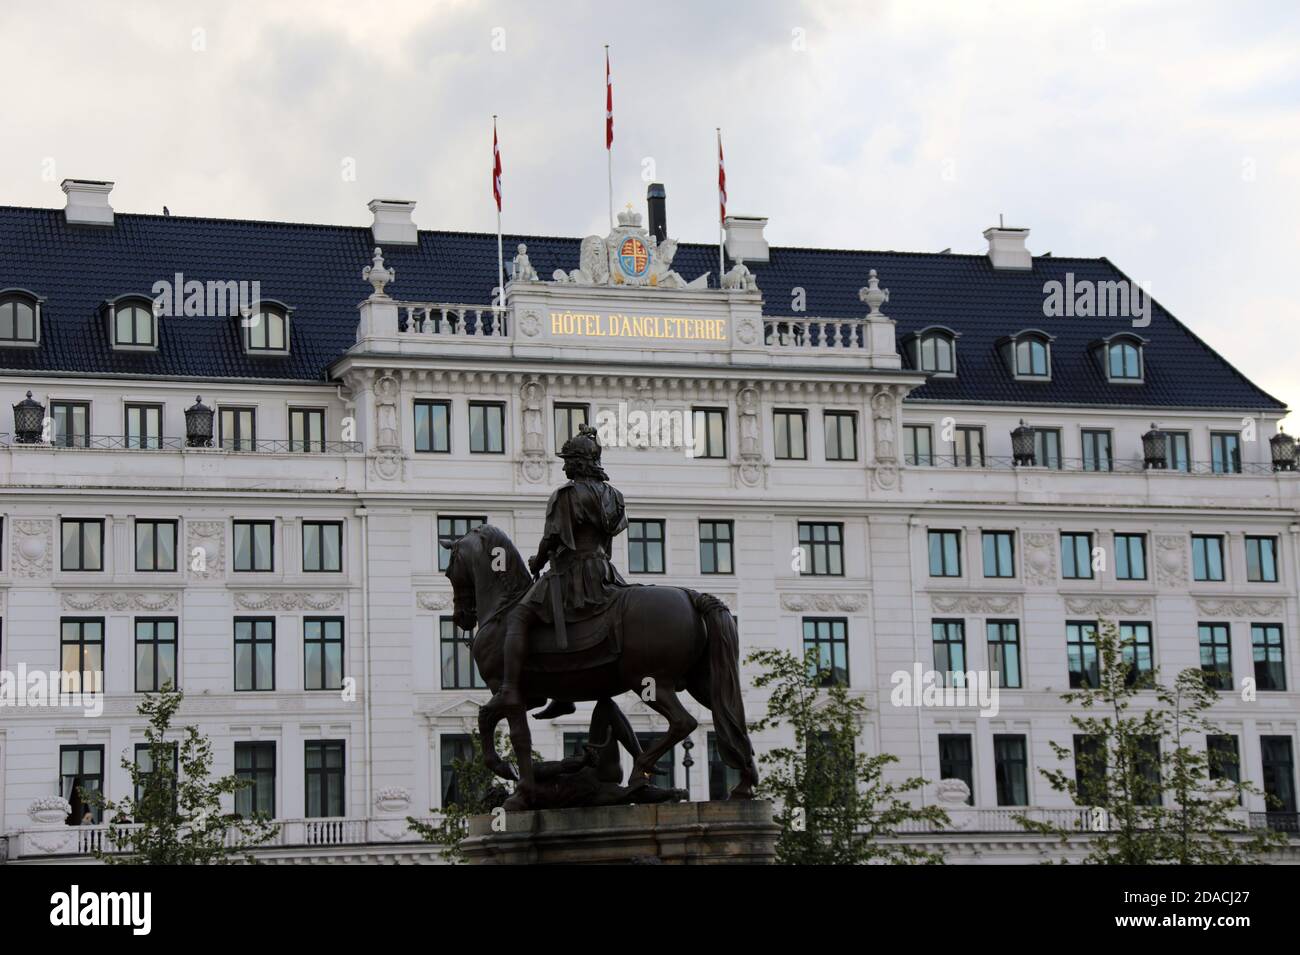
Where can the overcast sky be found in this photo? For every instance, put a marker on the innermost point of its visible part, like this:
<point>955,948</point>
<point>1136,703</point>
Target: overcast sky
<point>1165,136</point>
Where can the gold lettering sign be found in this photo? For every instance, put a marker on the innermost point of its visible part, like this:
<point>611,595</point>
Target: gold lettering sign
<point>619,325</point>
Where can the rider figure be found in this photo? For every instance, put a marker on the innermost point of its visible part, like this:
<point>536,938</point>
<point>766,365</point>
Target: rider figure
<point>582,518</point>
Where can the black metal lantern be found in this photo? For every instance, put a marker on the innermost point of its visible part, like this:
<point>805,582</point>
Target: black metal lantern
<point>1283,447</point>
<point>198,424</point>
<point>29,421</point>
<point>1155,449</point>
<point>1022,444</point>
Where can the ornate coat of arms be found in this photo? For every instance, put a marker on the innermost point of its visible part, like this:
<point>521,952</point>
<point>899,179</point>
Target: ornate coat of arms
<point>628,256</point>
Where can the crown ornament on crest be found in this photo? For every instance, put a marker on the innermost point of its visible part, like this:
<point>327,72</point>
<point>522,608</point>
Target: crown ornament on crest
<point>628,256</point>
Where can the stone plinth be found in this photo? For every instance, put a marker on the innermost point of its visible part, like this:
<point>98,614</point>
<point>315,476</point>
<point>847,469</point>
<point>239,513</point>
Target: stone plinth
<point>683,833</point>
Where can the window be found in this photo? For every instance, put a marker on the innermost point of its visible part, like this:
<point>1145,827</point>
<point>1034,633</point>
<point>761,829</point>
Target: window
<point>666,763</point>
<point>459,672</point>
<point>144,767</point>
<point>450,530</point>
<point>573,744</point>
<point>1130,557</point>
<point>322,546</point>
<point>144,426</point>
<point>322,653</point>
<point>1135,651</point>
<point>324,777</point>
<point>945,553</point>
<point>306,429</point>
<point>1081,655</point>
<point>791,435</point>
<point>1223,757</point>
<point>999,553</point>
<point>453,748</point>
<point>134,325</point>
<point>722,778</point>
<point>1207,557</point>
<point>1178,456</point>
<point>254,546</point>
<point>254,653</point>
<point>1123,361</point>
<point>83,544</point>
<point>238,429</point>
<point>1004,651</point>
<point>155,653</point>
<point>487,428</point>
<point>1225,452</point>
<point>19,319</point>
<point>432,426</point>
<point>255,762</point>
<point>1266,645</point>
<point>1147,764</point>
<point>1089,769</point>
<point>267,330</point>
<point>827,638</point>
<point>950,651</point>
<point>935,353</point>
<point>1076,556</point>
<point>155,545</point>
<point>1261,559</point>
<point>1032,358</point>
<point>821,549</point>
<point>1011,768</point>
<point>917,445</point>
<point>716,539</point>
<point>1096,451</point>
<point>841,430</point>
<point>1216,655</point>
<point>956,762</point>
<point>81,771</point>
<point>1047,448</point>
<point>968,447</point>
<point>567,420</point>
<point>710,432</point>
<point>645,547</point>
<point>71,423</point>
<point>1279,775</point>
<point>81,645</point>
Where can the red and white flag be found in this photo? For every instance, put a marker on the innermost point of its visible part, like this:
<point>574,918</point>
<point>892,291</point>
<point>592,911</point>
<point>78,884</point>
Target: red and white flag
<point>722,183</point>
<point>496,166</point>
<point>609,104</point>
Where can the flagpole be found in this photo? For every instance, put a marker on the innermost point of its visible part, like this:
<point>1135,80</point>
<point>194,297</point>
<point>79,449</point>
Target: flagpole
<point>609,136</point>
<point>501,265</point>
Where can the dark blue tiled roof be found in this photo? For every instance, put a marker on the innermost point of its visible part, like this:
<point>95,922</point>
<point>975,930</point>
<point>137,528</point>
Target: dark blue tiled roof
<point>316,269</point>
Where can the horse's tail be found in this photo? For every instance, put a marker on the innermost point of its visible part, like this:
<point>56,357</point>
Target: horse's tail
<point>725,701</point>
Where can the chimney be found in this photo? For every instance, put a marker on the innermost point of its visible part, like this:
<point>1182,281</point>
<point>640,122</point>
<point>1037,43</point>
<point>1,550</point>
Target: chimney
<point>655,200</point>
<point>1007,247</point>
<point>393,223</point>
<point>745,238</point>
<point>87,202</point>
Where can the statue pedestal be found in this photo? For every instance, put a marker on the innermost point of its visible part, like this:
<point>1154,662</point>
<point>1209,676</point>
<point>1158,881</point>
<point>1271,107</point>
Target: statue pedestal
<point>680,833</point>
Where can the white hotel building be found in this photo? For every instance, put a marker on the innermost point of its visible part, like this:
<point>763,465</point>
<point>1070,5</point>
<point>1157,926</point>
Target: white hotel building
<point>355,424</point>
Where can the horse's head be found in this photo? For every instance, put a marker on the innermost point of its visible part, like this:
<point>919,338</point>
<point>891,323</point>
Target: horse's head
<point>484,567</point>
<point>460,573</point>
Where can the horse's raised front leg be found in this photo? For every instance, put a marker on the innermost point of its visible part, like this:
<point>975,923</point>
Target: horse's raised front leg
<point>489,715</point>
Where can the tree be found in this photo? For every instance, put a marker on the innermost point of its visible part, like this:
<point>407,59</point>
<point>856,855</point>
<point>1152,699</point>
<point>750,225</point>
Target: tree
<point>833,803</point>
<point>1127,762</point>
<point>479,791</point>
<point>174,815</point>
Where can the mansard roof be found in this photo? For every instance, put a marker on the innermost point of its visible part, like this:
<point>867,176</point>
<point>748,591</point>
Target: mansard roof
<point>316,271</point>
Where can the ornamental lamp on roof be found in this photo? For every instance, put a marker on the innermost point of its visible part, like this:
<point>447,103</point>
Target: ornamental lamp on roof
<point>29,420</point>
<point>1022,444</point>
<point>1155,449</point>
<point>198,424</point>
<point>1282,446</point>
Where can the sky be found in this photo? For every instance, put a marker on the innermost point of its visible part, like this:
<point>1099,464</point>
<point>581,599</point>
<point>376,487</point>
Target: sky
<point>1164,136</point>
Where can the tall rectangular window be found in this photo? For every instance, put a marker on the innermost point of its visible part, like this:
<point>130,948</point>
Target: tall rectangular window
<point>71,423</point>
<point>968,447</point>
<point>155,545</point>
<point>322,546</point>
<point>945,553</point>
<point>144,426</point>
<point>956,761</point>
<point>83,544</point>
<point>1097,450</point>
<point>827,638</point>
<point>716,541</point>
<point>1278,763</point>
<point>1004,651</point>
<point>1136,652</point>
<point>81,646</point>
<point>1076,556</point>
<point>709,427</point>
<point>239,429</point>
<point>821,549</point>
<point>255,762</point>
<point>459,672</point>
<point>1269,655</point>
<point>254,546</point>
<point>1261,560</point>
<point>324,766</point>
<point>790,433</point>
<point>432,426</point>
<point>1089,768</point>
<point>722,778</point>
<point>645,547</point>
<point>1081,654</point>
<point>1011,768</point>
<point>841,433</point>
<point>1047,448</point>
<point>306,429</point>
<point>1130,556</point>
<point>1216,654</point>
<point>950,651</point>
<point>450,530</point>
<point>487,427</point>
<point>155,653</point>
<point>453,748</point>
<point>918,445</point>
<point>254,653</point>
<point>144,769</point>
<point>1225,452</point>
<point>567,420</point>
<point>999,553</point>
<point>1178,451</point>
<point>322,650</point>
<point>1207,557</point>
<point>1223,757</point>
<point>81,772</point>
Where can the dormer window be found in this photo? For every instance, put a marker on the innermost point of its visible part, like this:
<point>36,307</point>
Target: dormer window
<point>1122,358</point>
<point>132,324</point>
<point>1028,355</point>
<point>266,330</point>
<point>20,318</point>
<point>934,350</point>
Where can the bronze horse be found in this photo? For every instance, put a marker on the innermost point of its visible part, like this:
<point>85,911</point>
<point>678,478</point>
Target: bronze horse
<point>678,638</point>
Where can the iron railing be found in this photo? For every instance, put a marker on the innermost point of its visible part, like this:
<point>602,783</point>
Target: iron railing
<point>117,442</point>
<point>992,462</point>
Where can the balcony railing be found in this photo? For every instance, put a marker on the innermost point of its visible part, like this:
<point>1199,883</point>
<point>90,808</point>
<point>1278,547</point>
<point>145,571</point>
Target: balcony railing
<point>424,318</point>
<point>1114,466</point>
<point>814,334</point>
<point>1288,822</point>
<point>117,442</point>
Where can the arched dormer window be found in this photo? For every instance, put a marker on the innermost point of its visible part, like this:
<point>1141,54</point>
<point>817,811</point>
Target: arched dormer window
<point>1122,358</point>
<point>934,350</point>
<point>132,323</point>
<point>1028,355</point>
<point>20,318</point>
<point>266,329</point>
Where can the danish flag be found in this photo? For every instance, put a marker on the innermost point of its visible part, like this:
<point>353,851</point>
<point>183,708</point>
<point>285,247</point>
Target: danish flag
<point>609,104</point>
<point>722,183</point>
<point>496,166</point>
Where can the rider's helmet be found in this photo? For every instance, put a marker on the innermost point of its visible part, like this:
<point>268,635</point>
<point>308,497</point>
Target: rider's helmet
<point>584,446</point>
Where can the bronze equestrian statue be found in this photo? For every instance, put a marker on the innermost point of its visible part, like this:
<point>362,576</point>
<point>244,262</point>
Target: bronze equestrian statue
<point>580,632</point>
